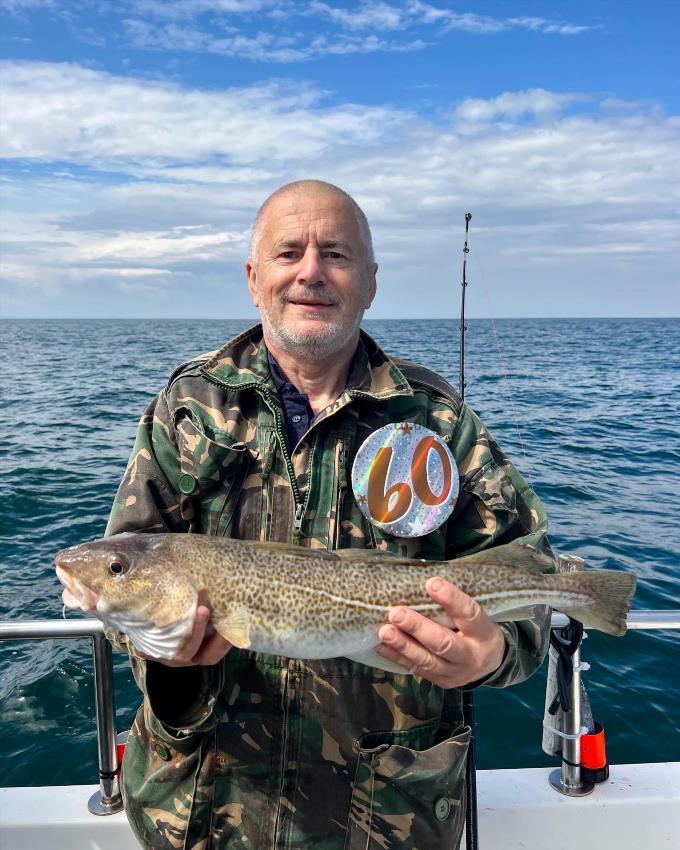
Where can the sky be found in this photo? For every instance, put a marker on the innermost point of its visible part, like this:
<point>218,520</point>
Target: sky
<point>139,137</point>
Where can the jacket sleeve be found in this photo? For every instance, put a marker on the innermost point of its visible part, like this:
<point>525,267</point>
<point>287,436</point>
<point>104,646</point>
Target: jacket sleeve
<point>148,500</point>
<point>496,506</point>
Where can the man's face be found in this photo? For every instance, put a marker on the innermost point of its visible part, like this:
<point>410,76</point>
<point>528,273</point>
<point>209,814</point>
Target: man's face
<point>311,280</point>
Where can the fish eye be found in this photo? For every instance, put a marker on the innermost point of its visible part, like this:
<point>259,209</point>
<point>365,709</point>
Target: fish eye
<point>117,567</point>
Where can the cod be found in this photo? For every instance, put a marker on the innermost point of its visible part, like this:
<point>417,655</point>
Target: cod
<point>304,603</point>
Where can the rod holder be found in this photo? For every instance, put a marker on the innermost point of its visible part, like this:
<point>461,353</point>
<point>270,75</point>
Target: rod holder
<point>567,778</point>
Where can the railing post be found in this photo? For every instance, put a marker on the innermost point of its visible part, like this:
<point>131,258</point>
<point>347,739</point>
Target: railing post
<point>108,799</point>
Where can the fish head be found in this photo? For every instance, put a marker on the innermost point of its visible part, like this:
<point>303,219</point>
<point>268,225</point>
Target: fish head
<point>133,584</point>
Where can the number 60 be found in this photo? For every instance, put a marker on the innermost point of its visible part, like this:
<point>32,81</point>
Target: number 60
<point>389,505</point>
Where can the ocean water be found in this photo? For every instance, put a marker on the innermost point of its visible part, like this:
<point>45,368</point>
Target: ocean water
<point>587,409</point>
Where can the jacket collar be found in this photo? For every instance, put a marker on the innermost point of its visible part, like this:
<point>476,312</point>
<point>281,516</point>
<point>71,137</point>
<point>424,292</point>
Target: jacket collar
<point>243,362</point>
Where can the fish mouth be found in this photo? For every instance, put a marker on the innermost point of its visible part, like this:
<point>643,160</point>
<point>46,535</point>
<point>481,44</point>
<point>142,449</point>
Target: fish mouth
<point>75,594</point>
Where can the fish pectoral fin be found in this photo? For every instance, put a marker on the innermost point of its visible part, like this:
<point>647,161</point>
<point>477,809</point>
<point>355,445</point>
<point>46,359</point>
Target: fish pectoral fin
<point>235,627</point>
<point>371,659</point>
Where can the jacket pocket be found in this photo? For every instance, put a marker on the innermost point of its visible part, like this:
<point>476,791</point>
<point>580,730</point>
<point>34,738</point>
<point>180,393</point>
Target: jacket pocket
<point>212,472</point>
<point>167,783</point>
<point>407,798</point>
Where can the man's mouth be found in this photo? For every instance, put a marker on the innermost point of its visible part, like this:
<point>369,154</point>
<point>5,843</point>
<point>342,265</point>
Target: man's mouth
<point>307,303</point>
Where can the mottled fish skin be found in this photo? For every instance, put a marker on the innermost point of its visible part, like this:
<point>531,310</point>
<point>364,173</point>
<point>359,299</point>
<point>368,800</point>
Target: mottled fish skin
<point>301,603</point>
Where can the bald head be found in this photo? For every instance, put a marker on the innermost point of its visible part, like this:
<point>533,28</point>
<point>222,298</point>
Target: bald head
<point>314,188</point>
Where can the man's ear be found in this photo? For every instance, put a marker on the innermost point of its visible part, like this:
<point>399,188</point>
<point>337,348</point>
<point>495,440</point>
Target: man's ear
<point>251,275</point>
<point>372,286</point>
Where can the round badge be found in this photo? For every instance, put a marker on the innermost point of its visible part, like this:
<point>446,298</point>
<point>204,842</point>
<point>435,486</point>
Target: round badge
<point>405,479</point>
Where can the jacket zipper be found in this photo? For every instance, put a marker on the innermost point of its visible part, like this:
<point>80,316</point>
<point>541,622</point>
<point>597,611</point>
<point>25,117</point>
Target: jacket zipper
<point>297,523</point>
<point>291,689</point>
<point>284,753</point>
<point>342,486</point>
<point>297,498</point>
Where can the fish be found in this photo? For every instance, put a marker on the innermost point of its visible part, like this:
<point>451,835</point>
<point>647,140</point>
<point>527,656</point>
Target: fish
<point>305,603</point>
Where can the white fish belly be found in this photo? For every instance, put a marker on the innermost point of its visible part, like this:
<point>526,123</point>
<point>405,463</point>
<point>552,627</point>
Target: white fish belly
<point>315,644</point>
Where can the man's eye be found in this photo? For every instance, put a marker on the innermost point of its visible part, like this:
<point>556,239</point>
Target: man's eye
<point>288,255</point>
<point>335,255</point>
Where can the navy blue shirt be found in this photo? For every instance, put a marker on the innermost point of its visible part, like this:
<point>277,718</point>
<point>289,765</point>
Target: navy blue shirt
<point>297,413</point>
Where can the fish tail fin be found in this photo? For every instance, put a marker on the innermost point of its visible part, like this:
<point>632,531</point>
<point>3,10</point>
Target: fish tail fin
<point>611,592</point>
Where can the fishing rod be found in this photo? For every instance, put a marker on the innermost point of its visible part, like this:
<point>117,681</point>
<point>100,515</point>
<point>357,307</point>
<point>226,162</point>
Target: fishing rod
<point>468,699</point>
<point>463,327</point>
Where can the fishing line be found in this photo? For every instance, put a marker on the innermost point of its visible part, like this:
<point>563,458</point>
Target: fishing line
<point>499,350</point>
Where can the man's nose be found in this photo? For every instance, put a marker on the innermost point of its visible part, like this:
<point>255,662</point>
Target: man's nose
<point>311,268</point>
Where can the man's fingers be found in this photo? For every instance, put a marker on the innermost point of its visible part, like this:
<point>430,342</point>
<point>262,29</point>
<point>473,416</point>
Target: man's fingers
<point>191,647</point>
<point>438,639</point>
<point>414,656</point>
<point>212,650</point>
<point>464,611</point>
<point>438,671</point>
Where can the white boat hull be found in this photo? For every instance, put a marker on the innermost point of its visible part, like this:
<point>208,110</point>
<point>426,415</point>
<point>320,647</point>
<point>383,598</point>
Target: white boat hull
<point>638,807</point>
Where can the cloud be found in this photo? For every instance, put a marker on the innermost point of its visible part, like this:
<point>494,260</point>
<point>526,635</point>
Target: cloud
<point>370,14</point>
<point>542,25</point>
<point>99,119</point>
<point>90,272</point>
<point>188,9</point>
<point>367,15</point>
<point>170,247</point>
<point>116,179</point>
<point>515,105</point>
<point>278,31</point>
<point>260,47</point>
<point>18,6</point>
<point>380,15</point>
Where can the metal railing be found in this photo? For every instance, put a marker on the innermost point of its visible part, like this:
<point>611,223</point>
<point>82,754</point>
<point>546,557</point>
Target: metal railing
<point>636,620</point>
<point>108,799</point>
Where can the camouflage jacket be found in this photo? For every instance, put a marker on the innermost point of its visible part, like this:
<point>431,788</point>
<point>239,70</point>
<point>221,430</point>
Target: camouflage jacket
<point>269,752</point>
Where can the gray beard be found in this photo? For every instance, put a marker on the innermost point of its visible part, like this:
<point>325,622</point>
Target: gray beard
<point>317,345</point>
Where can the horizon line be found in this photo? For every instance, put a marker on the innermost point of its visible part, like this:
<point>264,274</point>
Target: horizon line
<point>254,320</point>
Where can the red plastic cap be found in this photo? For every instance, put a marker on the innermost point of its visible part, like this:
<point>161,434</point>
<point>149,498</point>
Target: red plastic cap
<point>593,751</point>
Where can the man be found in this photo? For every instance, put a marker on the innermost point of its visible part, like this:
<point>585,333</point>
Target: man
<point>256,441</point>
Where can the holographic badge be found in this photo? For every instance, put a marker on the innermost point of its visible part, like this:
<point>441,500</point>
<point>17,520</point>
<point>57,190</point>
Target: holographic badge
<point>405,479</point>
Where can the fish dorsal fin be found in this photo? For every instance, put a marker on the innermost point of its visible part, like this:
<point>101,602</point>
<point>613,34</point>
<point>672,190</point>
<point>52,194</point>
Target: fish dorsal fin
<point>363,554</point>
<point>509,555</point>
<point>296,551</point>
<point>235,627</point>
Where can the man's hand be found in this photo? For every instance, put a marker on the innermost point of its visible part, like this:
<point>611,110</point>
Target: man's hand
<point>204,646</point>
<point>448,657</point>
